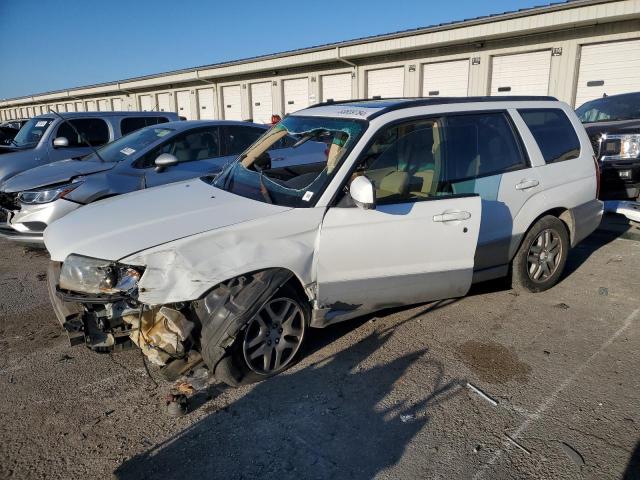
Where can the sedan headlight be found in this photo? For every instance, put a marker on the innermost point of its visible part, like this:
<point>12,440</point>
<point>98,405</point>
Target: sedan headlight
<point>92,275</point>
<point>621,146</point>
<point>37,197</point>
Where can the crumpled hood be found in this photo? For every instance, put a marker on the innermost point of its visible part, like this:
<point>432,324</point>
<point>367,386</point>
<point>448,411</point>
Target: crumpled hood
<point>117,227</point>
<point>53,173</point>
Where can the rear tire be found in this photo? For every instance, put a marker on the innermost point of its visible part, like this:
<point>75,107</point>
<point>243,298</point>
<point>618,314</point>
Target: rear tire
<point>267,344</point>
<point>541,258</point>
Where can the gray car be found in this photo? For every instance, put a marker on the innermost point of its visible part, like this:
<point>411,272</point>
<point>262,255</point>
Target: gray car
<point>47,138</point>
<point>149,157</point>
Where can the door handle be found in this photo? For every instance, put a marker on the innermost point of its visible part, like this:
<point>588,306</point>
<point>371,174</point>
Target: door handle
<point>451,216</point>
<point>525,184</point>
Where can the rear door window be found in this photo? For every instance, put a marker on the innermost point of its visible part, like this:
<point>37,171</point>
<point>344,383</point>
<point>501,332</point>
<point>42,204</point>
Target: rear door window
<point>93,130</point>
<point>131,124</point>
<point>480,145</point>
<point>553,132</point>
<point>239,137</point>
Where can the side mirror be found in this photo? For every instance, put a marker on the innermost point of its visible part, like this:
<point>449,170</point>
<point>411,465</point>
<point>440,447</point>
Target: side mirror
<point>363,193</point>
<point>164,161</point>
<point>60,142</point>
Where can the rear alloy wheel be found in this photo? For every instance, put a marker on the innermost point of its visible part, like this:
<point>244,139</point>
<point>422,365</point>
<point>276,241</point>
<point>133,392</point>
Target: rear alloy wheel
<point>544,255</point>
<point>540,260</point>
<point>274,336</point>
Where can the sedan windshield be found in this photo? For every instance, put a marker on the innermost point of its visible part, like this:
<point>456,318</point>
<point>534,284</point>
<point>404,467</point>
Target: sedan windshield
<point>31,132</point>
<point>607,109</point>
<point>128,145</point>
<point>293,162</point>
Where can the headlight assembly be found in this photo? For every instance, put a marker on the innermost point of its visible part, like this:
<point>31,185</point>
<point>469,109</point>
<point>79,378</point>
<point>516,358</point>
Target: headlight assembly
<point>37,197</point>
<point>621,146</point>
<point>95,276</point>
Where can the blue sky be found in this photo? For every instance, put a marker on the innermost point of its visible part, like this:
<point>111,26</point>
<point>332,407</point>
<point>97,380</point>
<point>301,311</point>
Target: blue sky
<point>54,44</point>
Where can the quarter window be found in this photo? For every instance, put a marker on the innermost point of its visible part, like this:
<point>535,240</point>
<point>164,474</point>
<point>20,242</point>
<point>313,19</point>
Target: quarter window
<point>553,132</point>
<point>94,130</point>
<point>131,124</point>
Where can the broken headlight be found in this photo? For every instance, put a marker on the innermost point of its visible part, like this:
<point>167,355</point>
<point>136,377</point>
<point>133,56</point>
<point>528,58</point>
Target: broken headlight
<point>38,197</point>
<point>92,275</point>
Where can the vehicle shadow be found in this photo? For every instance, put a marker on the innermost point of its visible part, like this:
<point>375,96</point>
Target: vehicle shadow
<point>632,472</point>
<point>611,228</point>
<point>340,417</point>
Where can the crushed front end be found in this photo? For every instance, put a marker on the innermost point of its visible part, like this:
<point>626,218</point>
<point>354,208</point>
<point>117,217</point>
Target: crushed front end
<point>96,303</point>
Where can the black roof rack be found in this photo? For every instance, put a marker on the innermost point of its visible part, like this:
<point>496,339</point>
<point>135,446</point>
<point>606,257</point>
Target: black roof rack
<point>391,104</point>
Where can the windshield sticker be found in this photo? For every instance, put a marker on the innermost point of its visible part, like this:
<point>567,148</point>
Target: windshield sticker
<point>162,133</point>
<point>307,196</point>
<point>41,123</point>
<point>127,151</point>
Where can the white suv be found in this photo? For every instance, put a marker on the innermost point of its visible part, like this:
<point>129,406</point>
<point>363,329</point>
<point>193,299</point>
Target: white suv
<point>412,200</point>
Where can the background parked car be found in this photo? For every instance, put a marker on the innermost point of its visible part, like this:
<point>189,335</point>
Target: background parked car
<point>9,129</point>
<point>35,144</point>
<point>613,125</point>
<point>145,158</point>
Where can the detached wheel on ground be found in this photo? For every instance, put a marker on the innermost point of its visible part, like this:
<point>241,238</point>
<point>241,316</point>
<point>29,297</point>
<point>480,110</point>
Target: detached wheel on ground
<point>540,260</point>
<point>267,344</point>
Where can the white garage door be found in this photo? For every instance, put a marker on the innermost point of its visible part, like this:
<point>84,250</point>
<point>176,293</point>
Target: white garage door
<point>116,104</point>
<point>261,102</point>
<point>445,79</point>
<point>385,83</point>
<point>232,102</point>
<point>91,106</point>
<point>609,68</point>
<point>61,108</point>
<point>336,87</point>
<point>146,103</point>
<point>296,94</point>
<point>165,103</point>
<point>103,105</point>
<point>205,104</point>
<point>79,106</point>
<point>71,107</point>
<point>521,74</point>
<point>184,104</point>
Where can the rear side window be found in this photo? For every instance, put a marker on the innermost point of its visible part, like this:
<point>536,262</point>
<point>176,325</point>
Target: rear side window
<point>239,138</point>
<point>553,132</point>
<point>131,124</point>
<point>94,130</point>
<point>479,145</point>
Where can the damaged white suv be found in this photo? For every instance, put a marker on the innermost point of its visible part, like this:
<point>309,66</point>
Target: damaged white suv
<point>412,200</point>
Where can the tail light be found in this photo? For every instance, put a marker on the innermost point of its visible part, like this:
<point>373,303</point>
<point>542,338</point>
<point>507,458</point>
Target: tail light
<point>597,165</point>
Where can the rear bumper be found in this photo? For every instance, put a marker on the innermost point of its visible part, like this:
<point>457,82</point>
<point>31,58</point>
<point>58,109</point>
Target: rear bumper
<point>587,218</point>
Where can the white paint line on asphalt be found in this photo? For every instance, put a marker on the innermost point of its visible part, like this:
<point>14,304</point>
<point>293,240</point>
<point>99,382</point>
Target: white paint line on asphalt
<point>551,399</point>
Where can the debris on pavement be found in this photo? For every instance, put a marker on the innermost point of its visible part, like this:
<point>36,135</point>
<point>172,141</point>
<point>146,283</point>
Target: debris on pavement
<point>573,454</point>
<point>482,395</point>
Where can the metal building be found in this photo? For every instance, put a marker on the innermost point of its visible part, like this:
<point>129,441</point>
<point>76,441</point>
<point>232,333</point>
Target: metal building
<point>575,51</point>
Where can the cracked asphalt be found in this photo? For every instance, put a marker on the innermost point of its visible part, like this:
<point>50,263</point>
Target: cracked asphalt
<point>493,385</point>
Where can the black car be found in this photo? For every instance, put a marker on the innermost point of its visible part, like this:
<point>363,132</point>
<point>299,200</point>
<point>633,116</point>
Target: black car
<point>613,124</point>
